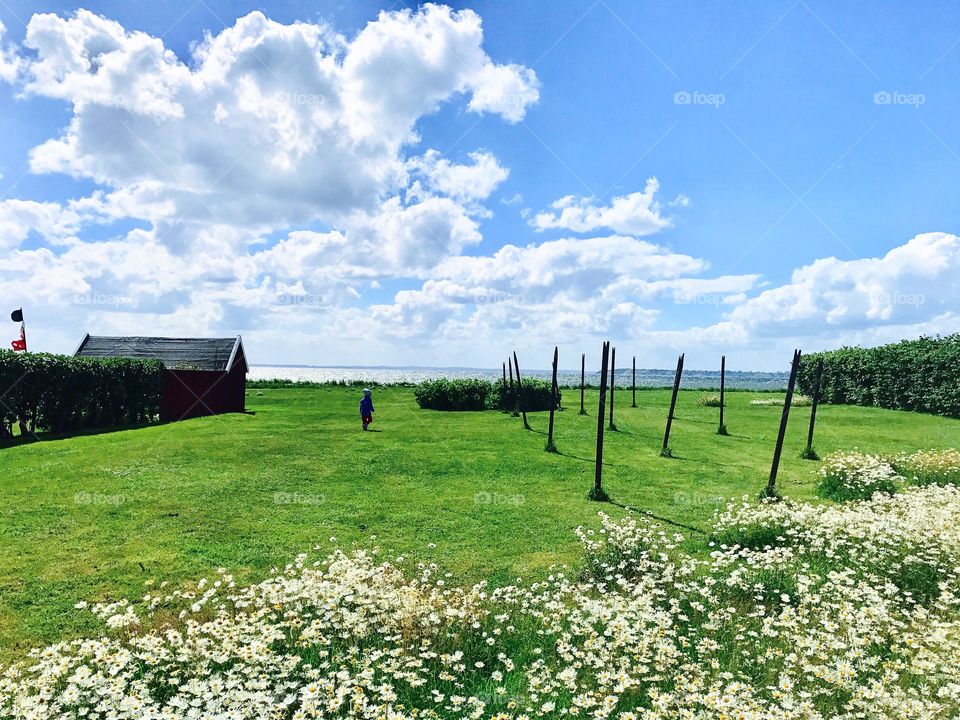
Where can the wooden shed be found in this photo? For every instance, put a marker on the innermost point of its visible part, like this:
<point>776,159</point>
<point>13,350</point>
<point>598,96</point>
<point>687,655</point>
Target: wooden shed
<point>203,376</point>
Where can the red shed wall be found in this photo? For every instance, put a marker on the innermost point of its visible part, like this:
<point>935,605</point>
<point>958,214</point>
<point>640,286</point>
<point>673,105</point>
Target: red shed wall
<point>195,393</point>
<point>236,390</point>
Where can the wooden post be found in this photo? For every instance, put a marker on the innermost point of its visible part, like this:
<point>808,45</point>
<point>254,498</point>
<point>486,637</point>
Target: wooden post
<point>665,450</point>
<point>634,403</point>
<point>583,372</point>
<point>523,410</point>
<point>553,403</point>
<point>809,453</point>
<point>503,403</point>
<point>722,430</point>
<point>771,490</point>
<point>513,394</point>
<point>556,389</point>
<point>613,383</point>
<point>598,493</point>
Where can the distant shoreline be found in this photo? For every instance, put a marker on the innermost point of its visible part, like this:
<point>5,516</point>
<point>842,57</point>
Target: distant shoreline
<point>411,375</point>
<point>464,368</point>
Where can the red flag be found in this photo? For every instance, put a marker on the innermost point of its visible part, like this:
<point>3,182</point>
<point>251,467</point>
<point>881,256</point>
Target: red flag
<point>21,344</point>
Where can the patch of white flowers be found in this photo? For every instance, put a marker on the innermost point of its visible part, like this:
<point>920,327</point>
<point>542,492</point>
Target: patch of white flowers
<point>801,612</point>
<point>798,401</point>
<point>926,467</point>
<point>851,475</point>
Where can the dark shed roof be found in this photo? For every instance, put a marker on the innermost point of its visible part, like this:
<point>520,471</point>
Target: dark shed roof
<point>217,354</point>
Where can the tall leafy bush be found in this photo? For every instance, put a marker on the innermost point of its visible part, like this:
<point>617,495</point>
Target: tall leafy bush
<point>922,375</point>
<point>60,393</point>
<point>469,394</point>
<point>446,394</point>
<point>536,395</point>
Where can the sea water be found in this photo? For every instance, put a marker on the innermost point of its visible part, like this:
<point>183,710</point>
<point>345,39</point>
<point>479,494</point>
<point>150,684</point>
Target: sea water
<point>692,379</point>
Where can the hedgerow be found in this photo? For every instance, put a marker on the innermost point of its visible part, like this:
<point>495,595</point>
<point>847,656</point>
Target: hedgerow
<point>921,375</point>
<point>446,394</point>
<point>59,393</point>
<point>536,395</point>
<point>469,394</point>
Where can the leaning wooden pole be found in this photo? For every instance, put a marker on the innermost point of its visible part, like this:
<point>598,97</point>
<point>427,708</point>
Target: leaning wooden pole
<point>553,404</point>
<point>809,453</point>
<point>523,409</point>
<point>503,395</point>
<point>634,382</point>
<point>597,493</point>
<point>771,490</point>
<point>513,394</point>
<point>583,374</point>
<point>665,450</point>
<point>556,389</point>
<point>613,383</point>
<point>722,429</point>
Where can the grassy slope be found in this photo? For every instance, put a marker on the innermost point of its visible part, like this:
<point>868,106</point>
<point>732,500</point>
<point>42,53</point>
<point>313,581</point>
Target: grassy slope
<point>173,502</point>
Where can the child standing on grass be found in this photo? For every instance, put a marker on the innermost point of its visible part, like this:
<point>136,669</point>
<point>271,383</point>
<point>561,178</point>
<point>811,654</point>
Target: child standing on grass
<point>366,408</point>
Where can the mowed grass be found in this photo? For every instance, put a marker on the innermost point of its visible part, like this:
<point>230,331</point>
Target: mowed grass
<point>96,516</point>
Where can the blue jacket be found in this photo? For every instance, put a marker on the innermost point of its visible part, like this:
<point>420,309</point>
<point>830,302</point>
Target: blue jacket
<point>366,406</point>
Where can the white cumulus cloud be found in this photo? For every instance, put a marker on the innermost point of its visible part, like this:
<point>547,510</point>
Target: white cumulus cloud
<point>639,213</point>
<point>19,217</point>
<point>473,181</point>
<point>914,282</point>
<point>273,162</point>
<point>270,125</point>
<point>9,59</point>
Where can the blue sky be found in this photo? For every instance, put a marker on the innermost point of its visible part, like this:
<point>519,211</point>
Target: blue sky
<point>795,146</point>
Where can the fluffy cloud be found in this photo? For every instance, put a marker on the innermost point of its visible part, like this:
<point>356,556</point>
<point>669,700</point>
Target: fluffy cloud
<point>561,288</point>
<point>465,182</point>
<point>912,290</point>
<point>271,125</point>
<point>9,60</point>
<point>231,158</point>
<point>638,213</point>
<point>395,240</point>
<point>585,266</point>
<point>910,284</point>
<point>504,90</point>
<point>19,217</point>
<point>569,291</point>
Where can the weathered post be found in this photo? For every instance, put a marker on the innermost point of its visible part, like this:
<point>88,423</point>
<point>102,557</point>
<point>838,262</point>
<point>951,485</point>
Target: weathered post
<point>613,383</point>
<point>513,392</point>
<point>583,373</point>
<point>771,491</point>
<point>503,395</point>
<point>665,450</point>
<point>634,383</point>
<point>597,493</point>
<point>520,404</point>
<point>809,453</point>
<point>553,404</point>
<point>556,389</point>
<point>722,429</point>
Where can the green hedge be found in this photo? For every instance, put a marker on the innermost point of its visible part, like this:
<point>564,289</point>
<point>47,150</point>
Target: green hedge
<point>453,394</point>
<point>481,395</point>
<point>921,375</point>
<point>60,393</point>
<point>536,395</point>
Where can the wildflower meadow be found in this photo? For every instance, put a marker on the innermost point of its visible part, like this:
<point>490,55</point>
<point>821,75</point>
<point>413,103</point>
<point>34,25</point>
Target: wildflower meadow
<point>800,611</point>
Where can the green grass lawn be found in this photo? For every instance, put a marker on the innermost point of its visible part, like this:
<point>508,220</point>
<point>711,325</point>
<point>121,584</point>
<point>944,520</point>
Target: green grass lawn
<point>94,517</point>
